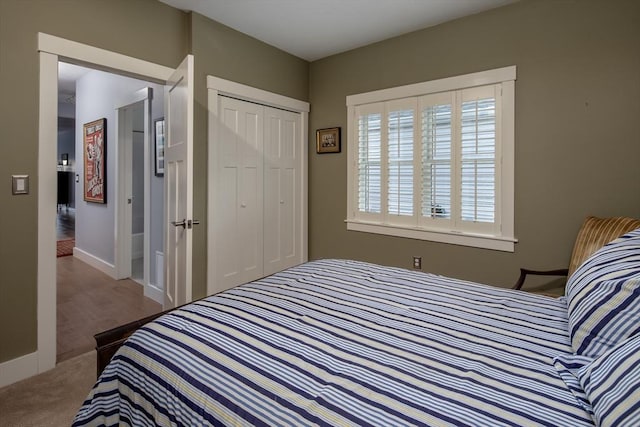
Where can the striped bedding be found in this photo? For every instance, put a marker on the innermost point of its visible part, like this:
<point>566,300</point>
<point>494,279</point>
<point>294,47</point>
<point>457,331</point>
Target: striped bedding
<point>345,343</point>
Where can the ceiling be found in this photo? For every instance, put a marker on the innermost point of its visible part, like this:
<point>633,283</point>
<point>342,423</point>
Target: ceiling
<point>67,76</point>
<point>314,29</point>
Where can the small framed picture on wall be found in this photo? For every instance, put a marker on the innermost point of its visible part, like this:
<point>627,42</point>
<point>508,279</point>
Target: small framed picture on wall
<point>158,126</point>
<point>328,140</point>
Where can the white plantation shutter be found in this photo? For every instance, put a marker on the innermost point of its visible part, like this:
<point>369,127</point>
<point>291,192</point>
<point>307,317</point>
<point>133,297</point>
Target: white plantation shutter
<point>437,156</point>
<point>437,165</point>
<point>478,156</point>
<point>370,160</point>
<point>400,165</point>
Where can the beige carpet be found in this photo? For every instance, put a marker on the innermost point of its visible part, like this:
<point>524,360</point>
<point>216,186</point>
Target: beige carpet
<point>50,399</point>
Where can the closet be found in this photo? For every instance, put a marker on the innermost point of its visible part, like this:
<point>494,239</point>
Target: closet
<point>258,192</point>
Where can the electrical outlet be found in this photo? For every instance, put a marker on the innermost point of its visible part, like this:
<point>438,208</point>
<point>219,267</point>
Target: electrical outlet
<point>417,262</point>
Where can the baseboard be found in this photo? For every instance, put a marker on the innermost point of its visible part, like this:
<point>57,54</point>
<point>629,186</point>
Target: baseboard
<point>95,262</point>
<point>18,369</point>
<point>154,293</point>
<point>137,245</point>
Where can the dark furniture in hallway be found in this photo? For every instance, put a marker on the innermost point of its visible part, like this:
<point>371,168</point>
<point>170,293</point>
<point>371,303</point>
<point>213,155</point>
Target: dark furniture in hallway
<point>65,189</point>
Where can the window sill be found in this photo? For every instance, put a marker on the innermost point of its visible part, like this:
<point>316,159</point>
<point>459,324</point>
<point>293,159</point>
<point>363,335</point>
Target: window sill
<point>497,243</point>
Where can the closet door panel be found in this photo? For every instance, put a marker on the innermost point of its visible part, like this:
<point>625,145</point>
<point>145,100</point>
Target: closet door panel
<point>288,216</point>
<point>282,195</point>
<point>271,215</point>
<point>228,262</point>
<point>238,208</point>
<point>251,195</point>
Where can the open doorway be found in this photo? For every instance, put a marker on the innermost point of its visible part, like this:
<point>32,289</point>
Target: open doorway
<point>178,84</point>
<point>92,293</point>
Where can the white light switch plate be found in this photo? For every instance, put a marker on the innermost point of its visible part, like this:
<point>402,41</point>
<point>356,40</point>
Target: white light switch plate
<point>20,184</point>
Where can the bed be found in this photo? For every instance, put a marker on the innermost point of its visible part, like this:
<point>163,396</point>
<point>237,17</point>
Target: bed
<point>342,342</point>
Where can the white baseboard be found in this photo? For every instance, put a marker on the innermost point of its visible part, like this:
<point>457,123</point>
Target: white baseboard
<point>154,293</point>
<point>95,262</point>
<point>137,245</point>
<point>18,369</point>
<point>160,270</point>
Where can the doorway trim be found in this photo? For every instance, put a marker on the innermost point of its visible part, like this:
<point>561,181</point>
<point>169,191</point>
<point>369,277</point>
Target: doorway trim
<point>51,49</point>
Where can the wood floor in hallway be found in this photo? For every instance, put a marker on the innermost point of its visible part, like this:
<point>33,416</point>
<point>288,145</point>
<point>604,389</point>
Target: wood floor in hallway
<point>89,302</point>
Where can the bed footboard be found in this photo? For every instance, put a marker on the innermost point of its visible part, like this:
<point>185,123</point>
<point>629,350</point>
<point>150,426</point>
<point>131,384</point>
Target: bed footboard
<point>108,342</point>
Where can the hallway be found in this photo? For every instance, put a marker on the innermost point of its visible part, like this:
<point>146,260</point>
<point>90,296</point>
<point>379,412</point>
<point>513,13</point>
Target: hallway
<point>65,223</point>
<point>89,302</point>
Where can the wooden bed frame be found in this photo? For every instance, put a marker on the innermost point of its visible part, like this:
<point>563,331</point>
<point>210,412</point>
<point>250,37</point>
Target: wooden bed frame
<point>108,342</point>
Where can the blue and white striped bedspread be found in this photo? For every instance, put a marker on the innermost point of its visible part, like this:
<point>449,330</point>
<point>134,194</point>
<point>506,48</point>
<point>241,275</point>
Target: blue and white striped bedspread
<point>344,343</point>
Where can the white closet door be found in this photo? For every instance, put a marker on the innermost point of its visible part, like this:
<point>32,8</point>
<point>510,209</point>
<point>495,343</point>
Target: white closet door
<point>282,190</point>
<point>238,223</point>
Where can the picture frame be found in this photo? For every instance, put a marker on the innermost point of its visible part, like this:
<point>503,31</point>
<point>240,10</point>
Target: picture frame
<point>159,138</point>
<point>94,135</point>
<point>328,140</point>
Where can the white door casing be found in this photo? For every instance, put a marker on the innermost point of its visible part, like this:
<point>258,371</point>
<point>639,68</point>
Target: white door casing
<point>178,185</point>
<point>50,49</point>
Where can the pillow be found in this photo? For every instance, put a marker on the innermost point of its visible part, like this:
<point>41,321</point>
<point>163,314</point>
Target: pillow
<point>567,366</point>
<point>603,297</point>
<point>612,385</point>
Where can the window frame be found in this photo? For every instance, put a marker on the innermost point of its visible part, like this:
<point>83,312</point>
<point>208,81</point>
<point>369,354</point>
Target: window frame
<point>501,237</point>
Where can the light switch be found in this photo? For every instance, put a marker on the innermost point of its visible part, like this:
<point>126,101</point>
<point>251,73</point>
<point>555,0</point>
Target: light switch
<point>20,184</point>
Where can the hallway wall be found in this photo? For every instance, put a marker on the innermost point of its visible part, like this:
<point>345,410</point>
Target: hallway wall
<point>97,95</point>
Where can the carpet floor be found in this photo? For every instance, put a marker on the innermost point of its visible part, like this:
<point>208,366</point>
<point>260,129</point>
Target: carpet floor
<point>50,399</point>
<point>65,247</point>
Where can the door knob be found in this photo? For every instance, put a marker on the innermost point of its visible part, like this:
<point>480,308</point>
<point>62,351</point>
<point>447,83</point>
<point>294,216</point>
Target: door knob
<point>182,223</point>
<point>191,223</point>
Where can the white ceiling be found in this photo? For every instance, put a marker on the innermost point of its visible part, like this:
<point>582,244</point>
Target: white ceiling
<point>314,29</point>
<point>67,76</point>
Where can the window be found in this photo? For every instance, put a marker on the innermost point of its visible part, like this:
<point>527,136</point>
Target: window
<point>434,160</point>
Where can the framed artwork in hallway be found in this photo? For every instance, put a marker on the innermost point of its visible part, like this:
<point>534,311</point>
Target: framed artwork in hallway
<point>95,158</point>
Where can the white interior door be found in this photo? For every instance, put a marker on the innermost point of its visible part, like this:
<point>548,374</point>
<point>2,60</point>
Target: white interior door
<point>133,114</point>
<point>238,205</point>
<point>124,196</point>
<point>283,192</point>
<point>178,184</point>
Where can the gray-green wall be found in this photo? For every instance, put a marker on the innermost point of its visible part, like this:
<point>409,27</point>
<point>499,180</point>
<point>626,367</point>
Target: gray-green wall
<point>577,139</point>
<point>145,29</point>
<point>577,108</point>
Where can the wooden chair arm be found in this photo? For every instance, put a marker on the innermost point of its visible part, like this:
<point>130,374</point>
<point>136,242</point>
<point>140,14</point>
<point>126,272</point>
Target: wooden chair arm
<point>524,272</point>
